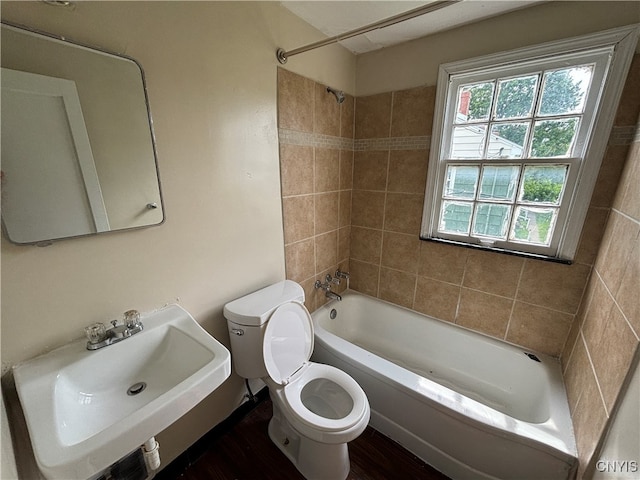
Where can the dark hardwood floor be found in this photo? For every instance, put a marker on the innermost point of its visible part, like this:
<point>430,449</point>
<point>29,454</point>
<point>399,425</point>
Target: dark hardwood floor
<point>241,449</point>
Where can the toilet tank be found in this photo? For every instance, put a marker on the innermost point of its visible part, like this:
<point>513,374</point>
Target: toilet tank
<point>247,319</point>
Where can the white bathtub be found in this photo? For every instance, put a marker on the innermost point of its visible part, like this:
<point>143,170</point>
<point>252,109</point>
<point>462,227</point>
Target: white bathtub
<point>469,405</point>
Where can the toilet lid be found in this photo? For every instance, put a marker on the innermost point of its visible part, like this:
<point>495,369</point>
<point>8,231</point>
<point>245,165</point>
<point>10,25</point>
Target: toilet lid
<point>288,341</point>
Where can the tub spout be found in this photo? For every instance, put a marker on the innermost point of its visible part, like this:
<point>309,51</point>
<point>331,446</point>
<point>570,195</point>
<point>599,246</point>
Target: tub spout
<point>327,289</point>
<point>333,295</point>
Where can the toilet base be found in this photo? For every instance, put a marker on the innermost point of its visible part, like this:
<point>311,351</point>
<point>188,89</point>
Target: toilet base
<point>314,460</point>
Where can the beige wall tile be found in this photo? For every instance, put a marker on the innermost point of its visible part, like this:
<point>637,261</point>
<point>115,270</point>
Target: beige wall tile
<point>299,258</point>
<point>344,247</point>
<point>437,299</point>
<point>364,277</point>
<point>347,116</point>
<point>493,272</point>
<point>589,421</point>
<point>400,251</point>
<point>484,312</point>
<point>596,315</point>
<point>366,244</point>
<point>627,294</point>
<point>370,170</point>
<point>373,116</point>
<point>326,112</point>
<point>413,112</point>
<point>612,262</point>
<point>403,212</point>
<point>553,285</point>
<point>326,212</point>
<point>344,208</point>
<point>408,171</point>
<point>570,343</point>
<point>367,209</point>
<point>442,262</point>
<point>309,293</point>
<point>327,170</point>
<point>346,169</point>
<point>539,328</point>
<point>298,218</point>
<point>612,357</point>
<point>628,198</point>
<point>327,251</point>
<point>592,232</point>
<point>577,374</point>
<point>296,170</point>
<point>295,101</point>
<point>397,287</point>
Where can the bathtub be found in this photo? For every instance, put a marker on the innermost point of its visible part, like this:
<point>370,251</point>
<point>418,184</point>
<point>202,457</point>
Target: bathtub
<point>471,406</point>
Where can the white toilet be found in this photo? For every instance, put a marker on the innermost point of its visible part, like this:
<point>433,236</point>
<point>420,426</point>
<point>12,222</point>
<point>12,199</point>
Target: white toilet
<point>317,408</point>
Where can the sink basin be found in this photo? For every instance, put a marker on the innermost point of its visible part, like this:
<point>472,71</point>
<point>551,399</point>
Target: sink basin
<point>87,409</point>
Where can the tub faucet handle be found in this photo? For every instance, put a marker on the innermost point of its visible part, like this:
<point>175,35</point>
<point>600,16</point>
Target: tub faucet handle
<point>341,274</point>
<point>329,279</point>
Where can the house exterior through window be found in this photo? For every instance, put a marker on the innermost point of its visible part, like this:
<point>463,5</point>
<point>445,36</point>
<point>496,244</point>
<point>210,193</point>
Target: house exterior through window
<point>518,140</point>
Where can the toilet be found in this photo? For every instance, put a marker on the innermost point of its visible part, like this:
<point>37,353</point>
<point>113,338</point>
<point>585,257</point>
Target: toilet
<point>317,408</point>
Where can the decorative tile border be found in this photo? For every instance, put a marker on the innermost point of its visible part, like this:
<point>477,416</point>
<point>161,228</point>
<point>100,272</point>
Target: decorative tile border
<point>393,143</point>
<point>293,137</point>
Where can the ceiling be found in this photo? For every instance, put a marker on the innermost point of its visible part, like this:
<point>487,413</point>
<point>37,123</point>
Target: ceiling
<point>337,17</point>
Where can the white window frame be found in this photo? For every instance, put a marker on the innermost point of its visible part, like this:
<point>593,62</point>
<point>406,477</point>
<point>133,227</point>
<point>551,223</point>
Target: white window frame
<point>616,44</point>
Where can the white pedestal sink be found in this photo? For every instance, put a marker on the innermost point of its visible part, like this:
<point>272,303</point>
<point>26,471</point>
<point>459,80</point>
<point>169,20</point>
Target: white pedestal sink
<point>87,409</point>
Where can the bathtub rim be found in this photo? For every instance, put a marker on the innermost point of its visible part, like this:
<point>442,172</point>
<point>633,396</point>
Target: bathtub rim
<point>554,436</point>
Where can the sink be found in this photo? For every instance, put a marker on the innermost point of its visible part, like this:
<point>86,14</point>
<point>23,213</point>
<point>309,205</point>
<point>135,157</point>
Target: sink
<point>87,409</point>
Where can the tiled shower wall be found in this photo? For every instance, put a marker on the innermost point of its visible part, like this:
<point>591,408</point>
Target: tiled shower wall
<point>528,302</point>
<point>603,343</point>
<point>316,163</point>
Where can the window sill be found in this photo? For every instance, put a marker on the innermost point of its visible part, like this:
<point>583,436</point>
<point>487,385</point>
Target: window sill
<point>499,250</point>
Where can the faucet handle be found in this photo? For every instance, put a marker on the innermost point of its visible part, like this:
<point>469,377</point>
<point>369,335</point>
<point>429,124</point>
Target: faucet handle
<point>341,274</point>
<point>329,279</point>
<point>132,318</point>
<point>96,332</point>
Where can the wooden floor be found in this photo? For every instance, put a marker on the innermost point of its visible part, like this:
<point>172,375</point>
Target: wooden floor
<point>244,451</point>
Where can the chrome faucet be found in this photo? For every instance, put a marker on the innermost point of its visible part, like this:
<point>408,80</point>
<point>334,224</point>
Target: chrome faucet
<point>340,274</point>
<point>327,287</point>
<point>99,335</point>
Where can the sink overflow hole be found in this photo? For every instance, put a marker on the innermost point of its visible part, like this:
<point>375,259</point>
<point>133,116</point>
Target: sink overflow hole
<point>136,388</point>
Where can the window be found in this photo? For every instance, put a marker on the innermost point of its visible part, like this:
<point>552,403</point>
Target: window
<point>518,140</point>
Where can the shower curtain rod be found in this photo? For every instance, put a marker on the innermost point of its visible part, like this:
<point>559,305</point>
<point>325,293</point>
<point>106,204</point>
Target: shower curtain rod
<point>283,55</point>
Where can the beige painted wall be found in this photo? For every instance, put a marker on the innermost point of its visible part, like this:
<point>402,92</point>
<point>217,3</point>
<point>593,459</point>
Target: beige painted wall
<point>416,63</point>
<point>211,76</point>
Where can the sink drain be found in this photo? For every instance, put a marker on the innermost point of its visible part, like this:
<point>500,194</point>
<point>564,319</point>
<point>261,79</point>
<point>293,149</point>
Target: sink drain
<point>136,388</point>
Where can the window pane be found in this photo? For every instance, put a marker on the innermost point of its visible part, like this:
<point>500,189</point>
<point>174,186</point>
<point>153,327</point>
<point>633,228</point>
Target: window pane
<point>564,91</point>
<point>499,182</point>
<point>456,217</point>
<point>543,184</point>
<point>461,181</point>
<point>491,220</point>
<point>507,140</point>
<point>468,142</point>
<point>474,102</point>
<point>554,138</point>
<point>515,97</point>
<point>534,225</point>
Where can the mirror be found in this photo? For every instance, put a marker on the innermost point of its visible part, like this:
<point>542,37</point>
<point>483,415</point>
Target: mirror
<point>78,152</point>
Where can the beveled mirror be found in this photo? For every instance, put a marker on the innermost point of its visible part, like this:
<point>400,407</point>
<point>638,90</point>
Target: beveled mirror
<point>78,150</point>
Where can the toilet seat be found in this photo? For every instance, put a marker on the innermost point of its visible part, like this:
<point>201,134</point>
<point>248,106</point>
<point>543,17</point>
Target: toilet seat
<point>287,347</point>
<point>317,371</point>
